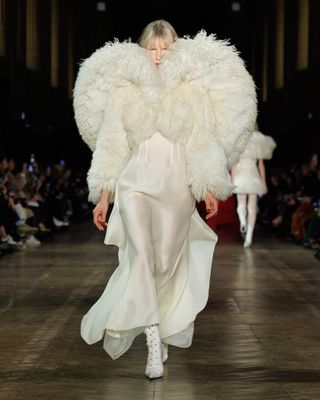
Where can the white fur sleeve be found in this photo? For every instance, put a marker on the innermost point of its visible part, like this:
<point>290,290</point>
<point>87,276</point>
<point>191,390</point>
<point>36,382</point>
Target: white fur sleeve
<point>206,159</point>
<point>111,152</point>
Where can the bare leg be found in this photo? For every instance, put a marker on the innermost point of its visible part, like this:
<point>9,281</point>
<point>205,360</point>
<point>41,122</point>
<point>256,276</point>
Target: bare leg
<point>252,216</point>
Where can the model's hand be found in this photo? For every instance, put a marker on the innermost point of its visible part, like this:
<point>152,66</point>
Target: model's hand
<point>100,212</point>
<point>212,205</point>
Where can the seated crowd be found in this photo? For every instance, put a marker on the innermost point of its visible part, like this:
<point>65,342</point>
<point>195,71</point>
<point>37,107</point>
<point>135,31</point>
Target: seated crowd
<point>38,201</point>
<point>291,208</point>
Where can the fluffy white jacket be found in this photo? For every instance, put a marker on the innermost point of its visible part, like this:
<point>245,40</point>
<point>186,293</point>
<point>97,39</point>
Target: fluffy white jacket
<point>201,96</point>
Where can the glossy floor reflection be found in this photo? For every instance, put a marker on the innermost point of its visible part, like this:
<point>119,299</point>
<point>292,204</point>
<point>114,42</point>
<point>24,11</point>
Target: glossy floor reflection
<point>257,338</point>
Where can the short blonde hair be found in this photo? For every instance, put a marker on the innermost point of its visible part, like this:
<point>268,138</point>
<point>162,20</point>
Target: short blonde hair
<point>159,29</point>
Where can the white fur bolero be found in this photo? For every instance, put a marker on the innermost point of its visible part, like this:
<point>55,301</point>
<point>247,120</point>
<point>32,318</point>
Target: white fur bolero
<point>201,96</point>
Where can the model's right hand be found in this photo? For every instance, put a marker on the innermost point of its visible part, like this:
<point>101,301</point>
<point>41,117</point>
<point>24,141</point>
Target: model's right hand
<point>100,212</point>
<point>212,205</point>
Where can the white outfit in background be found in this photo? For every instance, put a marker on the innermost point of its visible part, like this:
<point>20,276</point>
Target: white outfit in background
<point>249,183</point>
<point>247,178</point>
<point>165,253</point>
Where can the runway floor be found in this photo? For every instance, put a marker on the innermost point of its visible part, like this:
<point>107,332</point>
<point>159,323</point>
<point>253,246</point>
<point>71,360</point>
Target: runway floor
<point>257,339</point>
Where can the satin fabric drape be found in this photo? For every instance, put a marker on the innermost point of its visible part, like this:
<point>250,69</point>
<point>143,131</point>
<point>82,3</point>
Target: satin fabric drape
<point>165,253</point>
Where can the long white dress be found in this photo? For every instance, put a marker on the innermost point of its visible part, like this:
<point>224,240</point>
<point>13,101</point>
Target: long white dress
<point>165,253</point>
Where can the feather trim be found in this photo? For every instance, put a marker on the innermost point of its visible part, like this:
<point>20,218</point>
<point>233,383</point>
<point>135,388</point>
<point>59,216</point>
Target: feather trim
<point>260,147</point>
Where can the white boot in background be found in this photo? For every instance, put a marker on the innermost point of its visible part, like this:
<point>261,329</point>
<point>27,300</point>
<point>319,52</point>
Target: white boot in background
<point>242,212</point>
<point>252,216</point>
<point>243,222</point>
<point>249,234</point>
<point>154,367</point>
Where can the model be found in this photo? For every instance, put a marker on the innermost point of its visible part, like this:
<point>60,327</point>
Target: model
<point>249,179</point>
<point>165,118</point>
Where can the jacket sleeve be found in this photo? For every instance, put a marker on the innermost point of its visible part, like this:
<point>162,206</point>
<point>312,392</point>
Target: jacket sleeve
<point>111,152</point>
<point>207,164</point>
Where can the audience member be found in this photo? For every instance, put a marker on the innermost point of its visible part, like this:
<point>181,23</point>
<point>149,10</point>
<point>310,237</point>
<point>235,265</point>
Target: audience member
<point>36,201</point>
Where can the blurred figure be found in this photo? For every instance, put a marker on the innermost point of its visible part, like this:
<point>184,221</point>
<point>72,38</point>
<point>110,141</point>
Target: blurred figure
<point>249,179</point>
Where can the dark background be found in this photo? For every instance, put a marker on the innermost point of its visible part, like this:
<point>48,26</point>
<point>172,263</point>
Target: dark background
<point>36,117</point>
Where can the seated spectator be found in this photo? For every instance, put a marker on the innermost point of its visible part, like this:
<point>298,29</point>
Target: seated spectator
<point>36,200</point>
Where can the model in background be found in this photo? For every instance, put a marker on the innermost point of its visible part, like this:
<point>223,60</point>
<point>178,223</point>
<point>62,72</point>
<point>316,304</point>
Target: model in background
<point>249,179</point>
<point>166,119</point>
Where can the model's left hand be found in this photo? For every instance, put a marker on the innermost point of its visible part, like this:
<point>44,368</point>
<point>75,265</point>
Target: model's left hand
<point>212,205</point>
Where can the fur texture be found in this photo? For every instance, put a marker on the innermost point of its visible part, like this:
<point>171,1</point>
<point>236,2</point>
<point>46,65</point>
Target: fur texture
<point>200,96</point>
<point>259,147</point>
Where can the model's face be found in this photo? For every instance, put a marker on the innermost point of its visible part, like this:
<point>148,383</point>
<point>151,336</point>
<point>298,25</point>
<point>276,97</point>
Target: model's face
<point>157,49</point>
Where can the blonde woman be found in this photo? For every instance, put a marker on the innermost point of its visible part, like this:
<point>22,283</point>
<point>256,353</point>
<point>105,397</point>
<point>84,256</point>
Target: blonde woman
<point>165,118</point>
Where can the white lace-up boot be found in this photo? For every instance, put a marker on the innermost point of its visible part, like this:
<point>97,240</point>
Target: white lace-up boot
<point>242,214</point>
<point>248,239</point>
<point>154,367</point>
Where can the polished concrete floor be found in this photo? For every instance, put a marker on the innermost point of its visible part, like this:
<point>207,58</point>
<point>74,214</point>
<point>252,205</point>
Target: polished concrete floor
<point>257,338</point>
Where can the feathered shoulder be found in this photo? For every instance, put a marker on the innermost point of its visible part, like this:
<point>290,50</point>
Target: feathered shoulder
<point>115,65</point>
<point>260,147</point>
<point>216,66</point>
<point>204,61</point>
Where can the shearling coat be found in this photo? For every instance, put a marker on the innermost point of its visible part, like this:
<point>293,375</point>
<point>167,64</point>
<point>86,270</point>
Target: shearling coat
<point>200,96</point>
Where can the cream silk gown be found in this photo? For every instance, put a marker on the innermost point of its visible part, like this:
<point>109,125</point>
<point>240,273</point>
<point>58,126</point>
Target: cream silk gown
<point>165,253</point>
